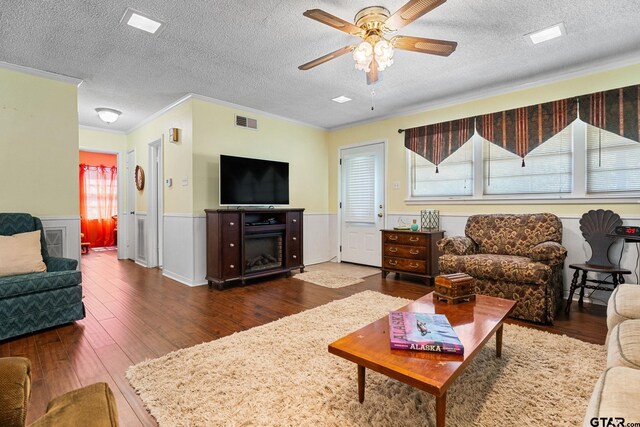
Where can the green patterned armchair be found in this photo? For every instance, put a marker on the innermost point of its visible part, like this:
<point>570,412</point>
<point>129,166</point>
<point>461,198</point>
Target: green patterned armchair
<point>30,302</point>
<point>517,257</point>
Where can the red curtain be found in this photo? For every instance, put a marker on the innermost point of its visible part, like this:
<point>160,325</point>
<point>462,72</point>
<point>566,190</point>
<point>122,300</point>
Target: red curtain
<point>98,204</point>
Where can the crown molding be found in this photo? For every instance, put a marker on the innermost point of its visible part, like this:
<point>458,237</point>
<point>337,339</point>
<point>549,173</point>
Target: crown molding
<point>215,101</point>
<point>549,78</point>
<point>159,113</point>
<point>97,129</point>
<point>253,110</point>
<point>40,73</point>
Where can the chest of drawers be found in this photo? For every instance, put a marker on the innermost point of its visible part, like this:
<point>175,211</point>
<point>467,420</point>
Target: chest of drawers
<point>411,252</point>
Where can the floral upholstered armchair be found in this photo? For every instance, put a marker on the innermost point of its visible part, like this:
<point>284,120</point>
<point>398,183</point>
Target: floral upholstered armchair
<point>518,257</point>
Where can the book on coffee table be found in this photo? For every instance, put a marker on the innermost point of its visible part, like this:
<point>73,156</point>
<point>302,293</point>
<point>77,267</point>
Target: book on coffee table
<point>423,332</point>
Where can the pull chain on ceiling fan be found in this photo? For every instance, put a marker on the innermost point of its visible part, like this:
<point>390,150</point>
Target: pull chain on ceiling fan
<point>375,52</point>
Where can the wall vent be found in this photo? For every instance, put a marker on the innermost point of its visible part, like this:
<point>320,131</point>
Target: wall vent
<point>141,247</point>
<point>246,122</point>
<point>55,241</point>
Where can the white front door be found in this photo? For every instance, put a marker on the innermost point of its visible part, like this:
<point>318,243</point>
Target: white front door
<point>130,211</point>
<point>362,203</point>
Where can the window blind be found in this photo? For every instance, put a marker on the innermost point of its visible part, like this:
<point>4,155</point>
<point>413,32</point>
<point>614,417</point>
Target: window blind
<point>547,171</point>
<point>454,177</point>
<point>612,162</point>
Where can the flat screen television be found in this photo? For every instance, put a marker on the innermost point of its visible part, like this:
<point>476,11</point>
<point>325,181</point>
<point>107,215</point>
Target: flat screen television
<point>253,182</point>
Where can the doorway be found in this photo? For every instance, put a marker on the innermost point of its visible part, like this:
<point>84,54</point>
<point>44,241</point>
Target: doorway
<point>155,214</point>
<point>130,213</point>
<point>362,203</point>
<point>99,184</point>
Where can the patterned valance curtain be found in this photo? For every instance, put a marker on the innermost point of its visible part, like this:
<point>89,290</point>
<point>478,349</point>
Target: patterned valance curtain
<point>616,110</point>
<point>522,129</point>
<point>438,141</point>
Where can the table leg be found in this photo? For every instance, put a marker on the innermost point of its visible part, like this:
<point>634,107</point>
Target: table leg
<point>574,285</point>
<point>582,283</point>
<point>441,409</point>
<point>499,341</point>
<point>361,383</point>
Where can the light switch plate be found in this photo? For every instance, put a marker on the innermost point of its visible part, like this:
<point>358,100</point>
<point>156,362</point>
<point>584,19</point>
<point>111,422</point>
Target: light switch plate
<point>185,181</point>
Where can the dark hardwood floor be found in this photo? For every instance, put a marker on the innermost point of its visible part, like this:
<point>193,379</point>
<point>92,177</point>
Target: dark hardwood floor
<point>134,313</point>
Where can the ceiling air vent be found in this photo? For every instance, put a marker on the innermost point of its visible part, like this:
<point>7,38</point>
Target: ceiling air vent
<point>246,122</point>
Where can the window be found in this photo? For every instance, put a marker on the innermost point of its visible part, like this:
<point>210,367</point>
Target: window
<point>454,177</point>
<point>547,168</point>
<point>612,162</point>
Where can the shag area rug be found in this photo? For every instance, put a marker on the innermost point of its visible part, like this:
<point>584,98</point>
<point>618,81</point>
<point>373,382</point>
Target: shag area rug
<point>280,374</point>
<point>336,274</point>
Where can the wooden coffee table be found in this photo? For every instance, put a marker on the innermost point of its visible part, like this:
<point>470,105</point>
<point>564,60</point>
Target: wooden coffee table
<point>474,322</point>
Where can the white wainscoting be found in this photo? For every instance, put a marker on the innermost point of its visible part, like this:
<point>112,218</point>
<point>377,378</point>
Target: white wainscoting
<point>184,249</point>
<point>578,250</point>
<point>185,245</point>
<point>70,229</point>
<point>318,245</point>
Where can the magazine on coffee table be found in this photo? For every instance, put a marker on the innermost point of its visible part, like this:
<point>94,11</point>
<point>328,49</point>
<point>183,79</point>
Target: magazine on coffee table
<point>423,332</point>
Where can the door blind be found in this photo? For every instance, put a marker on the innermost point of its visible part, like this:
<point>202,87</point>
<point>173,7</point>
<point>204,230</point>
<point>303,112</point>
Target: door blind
<point>359,173</point>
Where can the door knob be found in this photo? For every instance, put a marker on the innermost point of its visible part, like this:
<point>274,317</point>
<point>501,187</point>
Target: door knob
<point>380,214</point>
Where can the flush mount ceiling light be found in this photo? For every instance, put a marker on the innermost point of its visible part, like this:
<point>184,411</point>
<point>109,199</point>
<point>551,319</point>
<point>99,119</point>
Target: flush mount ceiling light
<point>108,115</point>
<point>142,22</point>
<point>341,99</point>
<point>375,52</point>
<point>546,34</point>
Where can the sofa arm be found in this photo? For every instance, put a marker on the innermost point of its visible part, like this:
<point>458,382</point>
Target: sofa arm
<point>61,264</point>
<point>550,253</point>
<point>457,245</point>
<point>15,383</point>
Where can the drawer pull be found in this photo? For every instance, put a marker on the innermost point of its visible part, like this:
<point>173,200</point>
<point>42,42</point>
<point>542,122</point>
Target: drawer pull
<point>393,237</point>
<point>393,250</point>
<point>413,239</point>
<point>393,262</point>
<point>295,220</point>
<point>294,238</point>
<point>294,256</point>
<point>414,251</point>
<point>232,266</point>
<point>231,224</point>
<point>231,245</point>
<point>413,265</point>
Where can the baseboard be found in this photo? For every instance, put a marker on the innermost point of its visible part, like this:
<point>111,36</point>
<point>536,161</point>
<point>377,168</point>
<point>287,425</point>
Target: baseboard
<point>182,279</point>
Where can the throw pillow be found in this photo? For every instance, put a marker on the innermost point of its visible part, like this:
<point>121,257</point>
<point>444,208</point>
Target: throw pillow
<point>20,254</point>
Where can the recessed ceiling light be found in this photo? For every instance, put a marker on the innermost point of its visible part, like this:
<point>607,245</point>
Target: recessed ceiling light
<point>341,99</point>
<point>138,20</point>
<point>547,34</point>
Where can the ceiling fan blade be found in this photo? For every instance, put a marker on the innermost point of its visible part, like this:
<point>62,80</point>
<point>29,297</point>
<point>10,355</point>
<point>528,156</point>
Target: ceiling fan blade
<point>410,12</point>
<point>327,57</point>
<point>422,45</point>
<point>373,74</point>
<point>333,21</point>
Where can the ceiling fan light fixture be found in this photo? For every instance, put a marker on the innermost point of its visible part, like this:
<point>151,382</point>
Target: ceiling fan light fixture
<point>108,115</point>
<point>384,54</point>
<point>363,54</point>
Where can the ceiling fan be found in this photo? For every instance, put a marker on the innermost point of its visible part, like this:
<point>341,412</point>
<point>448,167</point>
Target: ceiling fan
<point>375,52</point>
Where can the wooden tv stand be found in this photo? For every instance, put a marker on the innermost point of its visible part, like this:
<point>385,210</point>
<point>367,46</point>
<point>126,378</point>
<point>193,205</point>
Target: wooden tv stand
<point>251,243</point>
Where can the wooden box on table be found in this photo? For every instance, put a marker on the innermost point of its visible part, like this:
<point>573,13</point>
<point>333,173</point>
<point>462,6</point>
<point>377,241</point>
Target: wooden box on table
<point>454,288</point>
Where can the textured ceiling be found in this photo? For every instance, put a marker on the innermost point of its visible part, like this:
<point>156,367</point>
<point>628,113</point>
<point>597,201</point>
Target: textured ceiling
<point>247,53</point>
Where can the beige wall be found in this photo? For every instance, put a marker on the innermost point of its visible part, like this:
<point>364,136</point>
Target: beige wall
<point>38,145</point>
<point>177,163</point>
<point>397,168</point>
<point>305,148</point>
<point>95,139</point>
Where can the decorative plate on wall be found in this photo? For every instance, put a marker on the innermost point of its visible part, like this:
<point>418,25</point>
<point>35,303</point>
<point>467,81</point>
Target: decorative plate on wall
<point>139,177</point>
